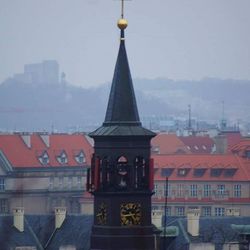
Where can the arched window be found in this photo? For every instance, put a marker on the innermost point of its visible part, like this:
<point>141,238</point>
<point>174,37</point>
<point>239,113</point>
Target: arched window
<point>105,172</point>
<point>122,172</point>
<point>140,172</point>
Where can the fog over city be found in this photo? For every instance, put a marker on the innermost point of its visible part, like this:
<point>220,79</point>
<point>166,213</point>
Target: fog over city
<point>186,40</point>
<point>124,132</point>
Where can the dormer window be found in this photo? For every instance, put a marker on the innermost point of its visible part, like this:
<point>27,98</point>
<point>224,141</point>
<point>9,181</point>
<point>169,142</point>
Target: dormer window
<point>183,171</point>
<point>166,172</point>
<point>230,172</point>
<point>44,158</point>
<point>216,172</point>
<point>155,149</point>
<point>62,158</point>
<point>199,172</point>
<point>248,154</point>
<point>80,158</point>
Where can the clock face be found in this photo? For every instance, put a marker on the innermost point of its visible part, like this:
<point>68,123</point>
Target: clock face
<point>130,214</point>
<point>101,214</point>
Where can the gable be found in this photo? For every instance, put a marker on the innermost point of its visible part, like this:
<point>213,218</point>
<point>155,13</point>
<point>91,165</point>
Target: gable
<point>4,164</point>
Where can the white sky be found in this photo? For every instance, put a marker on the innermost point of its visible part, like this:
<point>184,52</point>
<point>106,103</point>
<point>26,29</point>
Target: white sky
<point>177,39</point>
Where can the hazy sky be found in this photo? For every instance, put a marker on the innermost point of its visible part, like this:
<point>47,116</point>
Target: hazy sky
<point>177,39</point>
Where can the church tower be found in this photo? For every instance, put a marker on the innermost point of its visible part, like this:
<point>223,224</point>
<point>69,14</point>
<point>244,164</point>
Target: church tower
<point>121,175</point>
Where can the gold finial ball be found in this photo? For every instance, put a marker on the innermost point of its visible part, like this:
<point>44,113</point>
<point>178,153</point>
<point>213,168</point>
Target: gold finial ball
<point>122,23</point>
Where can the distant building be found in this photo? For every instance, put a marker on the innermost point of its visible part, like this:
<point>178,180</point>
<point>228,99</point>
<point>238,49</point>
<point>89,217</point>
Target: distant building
<point>217,184</point>
<point>41,171</point>
<point>46,72</point>
<point>194,232</point>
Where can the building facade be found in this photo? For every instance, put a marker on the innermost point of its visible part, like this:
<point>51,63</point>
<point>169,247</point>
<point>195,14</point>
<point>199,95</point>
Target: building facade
<point>42,171</point>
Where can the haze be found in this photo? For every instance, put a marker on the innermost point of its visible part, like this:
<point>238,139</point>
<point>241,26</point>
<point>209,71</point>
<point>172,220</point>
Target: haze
<point>177,39</point>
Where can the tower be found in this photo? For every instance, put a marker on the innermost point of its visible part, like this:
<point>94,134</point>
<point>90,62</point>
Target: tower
<point>121,175</point>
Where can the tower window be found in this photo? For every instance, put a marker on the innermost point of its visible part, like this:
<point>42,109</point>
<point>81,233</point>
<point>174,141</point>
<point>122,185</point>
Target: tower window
<point>122,172</point>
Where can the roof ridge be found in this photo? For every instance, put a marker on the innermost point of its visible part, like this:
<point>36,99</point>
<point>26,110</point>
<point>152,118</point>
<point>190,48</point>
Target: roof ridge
<point>39,245</point>
<point>240,164</point>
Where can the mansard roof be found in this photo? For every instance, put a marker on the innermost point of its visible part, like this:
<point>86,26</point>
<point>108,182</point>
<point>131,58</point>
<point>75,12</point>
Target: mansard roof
<point>24,150</point>
<point>212,167</point>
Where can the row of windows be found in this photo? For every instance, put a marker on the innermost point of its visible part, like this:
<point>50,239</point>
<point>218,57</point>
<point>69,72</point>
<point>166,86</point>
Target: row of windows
<point>65,182</point>
<point>62,158</point>
<point>180,190</point>
<point>181,211</point>
<point>199,172</point>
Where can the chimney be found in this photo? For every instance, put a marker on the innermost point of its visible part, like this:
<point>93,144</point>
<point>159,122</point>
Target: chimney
<point>193,217</point>
<point>157,218</point>
<point>18,214</point>
<point>60,215</point>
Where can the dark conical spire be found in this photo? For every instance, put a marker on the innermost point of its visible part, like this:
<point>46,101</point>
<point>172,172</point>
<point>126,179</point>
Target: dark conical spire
<point>122,118</point>
<point>122,108</point>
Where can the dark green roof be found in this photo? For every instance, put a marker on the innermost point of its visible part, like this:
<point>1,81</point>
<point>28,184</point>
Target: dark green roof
<point>122,131</point>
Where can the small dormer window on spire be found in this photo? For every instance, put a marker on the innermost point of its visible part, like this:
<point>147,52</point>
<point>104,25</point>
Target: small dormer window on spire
<point>62,158</point>
<point>44,158</point>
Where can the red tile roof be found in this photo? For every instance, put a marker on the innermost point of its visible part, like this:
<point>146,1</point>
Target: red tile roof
<point>198,144</point>
<point>240,147</point>
<point>20,155</point>
<point>232,137</point>
<point>208,162</point>
<point>168,144</point>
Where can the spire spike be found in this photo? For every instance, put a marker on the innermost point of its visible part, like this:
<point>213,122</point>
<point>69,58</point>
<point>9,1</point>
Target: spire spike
<point>122,10</point>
